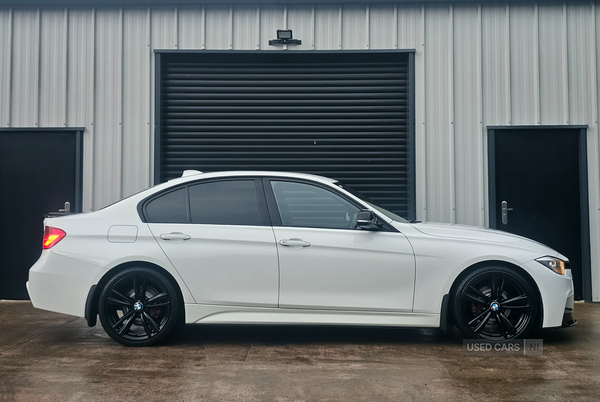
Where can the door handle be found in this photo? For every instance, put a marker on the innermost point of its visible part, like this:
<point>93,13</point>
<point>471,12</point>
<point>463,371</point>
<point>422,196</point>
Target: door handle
<point>294,243</point>
<point>177,236</point>
<point>505,210</point>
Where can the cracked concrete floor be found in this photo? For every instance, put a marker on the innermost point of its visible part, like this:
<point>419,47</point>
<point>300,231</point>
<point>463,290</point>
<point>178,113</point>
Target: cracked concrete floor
<point>52,357</point>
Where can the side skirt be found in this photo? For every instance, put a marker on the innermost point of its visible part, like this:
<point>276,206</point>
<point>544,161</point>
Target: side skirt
<point>210,314</point>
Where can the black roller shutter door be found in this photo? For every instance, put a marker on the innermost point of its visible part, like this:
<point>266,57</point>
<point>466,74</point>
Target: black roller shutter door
<point>345,115</point>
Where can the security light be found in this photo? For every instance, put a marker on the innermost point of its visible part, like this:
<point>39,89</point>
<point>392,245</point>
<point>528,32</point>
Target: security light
<point>284,37</point>
<point>284,34</point>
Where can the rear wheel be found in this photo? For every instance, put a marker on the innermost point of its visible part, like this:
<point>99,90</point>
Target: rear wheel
<point>138,307</point>
<point>495,303</point>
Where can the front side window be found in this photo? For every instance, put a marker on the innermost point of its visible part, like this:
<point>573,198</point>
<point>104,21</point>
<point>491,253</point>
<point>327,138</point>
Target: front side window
<point>231,202</point>
<point>304,205</point>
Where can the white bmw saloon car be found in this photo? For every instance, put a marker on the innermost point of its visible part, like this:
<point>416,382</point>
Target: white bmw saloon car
<point>287,248</point>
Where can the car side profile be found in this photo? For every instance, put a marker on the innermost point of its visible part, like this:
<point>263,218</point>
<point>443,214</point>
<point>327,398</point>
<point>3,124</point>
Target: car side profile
<point>289,248</point>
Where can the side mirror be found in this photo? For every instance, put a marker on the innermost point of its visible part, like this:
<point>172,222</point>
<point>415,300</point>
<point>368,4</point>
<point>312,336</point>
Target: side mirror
<point>367,220</point>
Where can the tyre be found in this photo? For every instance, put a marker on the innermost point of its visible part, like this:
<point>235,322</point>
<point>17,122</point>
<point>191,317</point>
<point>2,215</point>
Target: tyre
<point>138,307</point>
<point>496,304</point>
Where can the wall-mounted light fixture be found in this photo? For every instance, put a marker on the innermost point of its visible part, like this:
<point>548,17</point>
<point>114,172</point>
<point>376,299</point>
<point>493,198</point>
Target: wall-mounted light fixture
<point>284,37</point>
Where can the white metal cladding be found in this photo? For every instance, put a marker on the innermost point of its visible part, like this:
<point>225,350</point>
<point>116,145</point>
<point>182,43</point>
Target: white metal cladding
<point>476,65</point>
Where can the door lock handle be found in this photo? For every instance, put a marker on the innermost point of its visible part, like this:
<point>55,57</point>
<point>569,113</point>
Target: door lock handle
<point>294,243</point>
<point>177,236</point>
<point>505,210</point>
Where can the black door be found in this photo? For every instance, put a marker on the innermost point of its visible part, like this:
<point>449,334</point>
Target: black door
<point>39,172</point>
<point>537,188</point>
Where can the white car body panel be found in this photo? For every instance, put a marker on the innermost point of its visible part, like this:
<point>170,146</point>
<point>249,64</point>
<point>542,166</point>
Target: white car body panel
<point>222,264</point>
<point>98,242</point>
<point>346,270</point>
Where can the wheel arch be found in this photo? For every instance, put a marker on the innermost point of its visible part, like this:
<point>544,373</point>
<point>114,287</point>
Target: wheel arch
<point>91,306</point>
<point>446,308</point>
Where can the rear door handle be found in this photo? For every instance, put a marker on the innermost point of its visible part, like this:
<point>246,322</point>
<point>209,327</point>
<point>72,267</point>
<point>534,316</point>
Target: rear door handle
<point>294,243</point>
<point>177,236</point>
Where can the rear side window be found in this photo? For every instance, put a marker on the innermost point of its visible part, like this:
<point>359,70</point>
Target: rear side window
<point>231,202</point>
<point>168,208</point>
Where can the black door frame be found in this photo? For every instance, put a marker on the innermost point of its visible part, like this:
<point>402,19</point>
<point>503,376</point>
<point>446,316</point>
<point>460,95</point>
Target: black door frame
<point>78,131</point>
<point>586,269</point>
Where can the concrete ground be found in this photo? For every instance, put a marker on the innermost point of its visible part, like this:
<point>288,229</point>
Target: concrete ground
<point>52,357</point>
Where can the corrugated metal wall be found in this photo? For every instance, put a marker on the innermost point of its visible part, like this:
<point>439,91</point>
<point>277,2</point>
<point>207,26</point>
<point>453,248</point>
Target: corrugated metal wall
<point>476,65</point>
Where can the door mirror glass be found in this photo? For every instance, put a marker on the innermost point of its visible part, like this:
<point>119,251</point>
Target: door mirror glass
<point>367,221</point>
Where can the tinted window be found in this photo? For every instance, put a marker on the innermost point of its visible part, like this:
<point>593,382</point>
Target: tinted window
<point>168,208</point>
<point>232,202</point>
<point>303,205</point>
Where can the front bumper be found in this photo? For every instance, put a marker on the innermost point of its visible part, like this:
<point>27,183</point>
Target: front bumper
<point>556,292</point>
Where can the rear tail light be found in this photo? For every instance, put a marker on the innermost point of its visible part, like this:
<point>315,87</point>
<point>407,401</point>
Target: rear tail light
<point>52,236</point>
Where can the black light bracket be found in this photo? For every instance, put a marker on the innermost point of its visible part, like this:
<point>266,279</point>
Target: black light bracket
<point>284,37</point>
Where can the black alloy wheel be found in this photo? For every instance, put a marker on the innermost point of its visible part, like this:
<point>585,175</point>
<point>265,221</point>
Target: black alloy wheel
<point>138,307</point>
<point>496,304</point>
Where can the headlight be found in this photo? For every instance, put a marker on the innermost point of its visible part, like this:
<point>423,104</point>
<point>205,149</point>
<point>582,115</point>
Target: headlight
<point>555,264</point>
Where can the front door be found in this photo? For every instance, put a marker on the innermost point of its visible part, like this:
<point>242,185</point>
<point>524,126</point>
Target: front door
<point>326,262</point>
<point>39,172</point>
<point>535,189</point>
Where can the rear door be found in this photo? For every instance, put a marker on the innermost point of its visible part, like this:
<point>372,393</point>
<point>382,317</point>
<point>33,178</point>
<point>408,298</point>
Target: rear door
<point>218,236</point>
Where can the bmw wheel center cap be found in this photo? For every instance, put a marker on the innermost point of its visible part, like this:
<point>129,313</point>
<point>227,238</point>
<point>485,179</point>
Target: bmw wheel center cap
<point>138,306</point>
<point>494,306</point>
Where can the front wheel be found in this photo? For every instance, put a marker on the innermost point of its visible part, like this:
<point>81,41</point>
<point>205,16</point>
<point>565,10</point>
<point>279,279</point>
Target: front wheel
<point>496,304</point>
<point>138,307</point>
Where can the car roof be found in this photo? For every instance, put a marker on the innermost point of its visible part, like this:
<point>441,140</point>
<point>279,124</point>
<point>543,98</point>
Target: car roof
<point>189,175</point>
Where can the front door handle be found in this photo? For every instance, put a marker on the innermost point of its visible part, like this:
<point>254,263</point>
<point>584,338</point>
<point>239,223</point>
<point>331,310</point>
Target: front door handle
<point>294,243</point>
<point>505,210</point>
<point>177,236</point>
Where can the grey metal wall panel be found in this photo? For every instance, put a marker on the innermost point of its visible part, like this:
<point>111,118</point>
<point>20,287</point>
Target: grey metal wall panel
<point>136,114</point>
<point>191,26</point>
<point>438,126</point>
<point>354,27</point>
<point>328,30</point>
<point>5,65</point>
<point>468,135</point>
<point>301,20</point>
<point>496,65</point>
<point>383,29</point>
<point>554,96</point>
<point>245,28</point>
<point>580,50</point>
<point>53,78</point>
<point>80,90</point>
<point>523,69</point>
<point>218,33</point>
<point>25,68</point>
<point>107,104</point>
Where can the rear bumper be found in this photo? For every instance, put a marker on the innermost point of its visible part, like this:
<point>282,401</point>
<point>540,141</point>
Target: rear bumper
<point>568,320</point>
<point>61,284</point>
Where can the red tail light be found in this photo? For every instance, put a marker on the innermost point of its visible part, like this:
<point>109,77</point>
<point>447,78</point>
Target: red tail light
<point>52,236</point>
